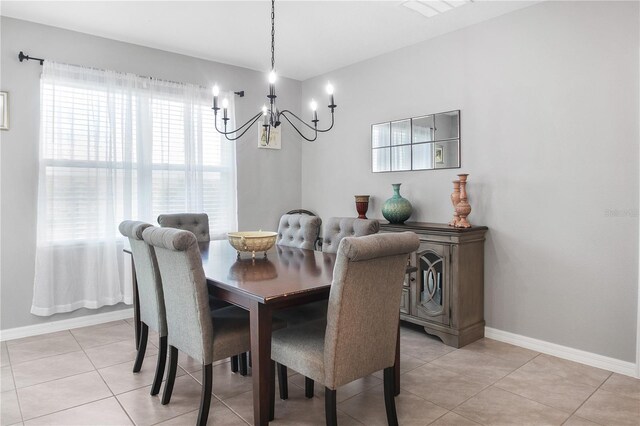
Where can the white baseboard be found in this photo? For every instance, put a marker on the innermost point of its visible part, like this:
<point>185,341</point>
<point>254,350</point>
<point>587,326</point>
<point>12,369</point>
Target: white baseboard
<point>565,352</point>
<point>53,326</point>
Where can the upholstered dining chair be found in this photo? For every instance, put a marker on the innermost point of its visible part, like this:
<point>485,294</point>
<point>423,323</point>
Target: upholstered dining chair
<point>360,332</point>
<point>299,229</point>
<point>204,335</point>
<point>198,224</point>
<point>334,231</point>
<point>150,296</point>
<point>338,228</point>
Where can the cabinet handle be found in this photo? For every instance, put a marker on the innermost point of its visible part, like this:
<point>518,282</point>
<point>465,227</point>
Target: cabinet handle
<point>412,279</point>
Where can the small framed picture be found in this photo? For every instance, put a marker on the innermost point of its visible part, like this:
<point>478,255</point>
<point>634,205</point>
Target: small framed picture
<point>4,111</point>
<point>439,154</point>
<point>269,139</point>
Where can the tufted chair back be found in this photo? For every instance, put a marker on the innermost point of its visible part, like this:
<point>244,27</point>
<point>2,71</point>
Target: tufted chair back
<point>197,223</point>
<point>151,296</point>
<point>337,228</point>
<point>298,230</point>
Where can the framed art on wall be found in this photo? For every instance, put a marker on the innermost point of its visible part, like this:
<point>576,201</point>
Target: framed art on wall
<point>274,136</point>
<point>439,154</point>
<point>4,111</point>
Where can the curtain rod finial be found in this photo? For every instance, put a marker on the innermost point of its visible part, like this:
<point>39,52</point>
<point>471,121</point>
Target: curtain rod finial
<point>22,57</point>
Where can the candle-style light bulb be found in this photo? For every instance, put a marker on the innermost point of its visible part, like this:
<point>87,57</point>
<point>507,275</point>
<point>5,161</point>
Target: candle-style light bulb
<point>332,104</point>
<point>272,77</point>
<point>329,88</point>
<point>314,107</point>
<point>225,105</point>
<point>216,91</point>
<point>264,110</point>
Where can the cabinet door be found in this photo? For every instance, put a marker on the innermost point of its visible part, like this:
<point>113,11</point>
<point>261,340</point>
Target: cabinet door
<point>404,302</point>
<point>431,295</point>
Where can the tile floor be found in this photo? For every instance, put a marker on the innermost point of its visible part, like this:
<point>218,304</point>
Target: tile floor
<point>83,377</point>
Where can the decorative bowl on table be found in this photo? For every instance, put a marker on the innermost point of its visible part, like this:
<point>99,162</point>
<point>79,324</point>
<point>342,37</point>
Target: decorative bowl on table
<point>252,241</point>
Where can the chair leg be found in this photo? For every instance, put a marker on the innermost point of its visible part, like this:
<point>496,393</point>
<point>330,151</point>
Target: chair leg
<point>282,381</point>
<point>389,400</point>
<point>308,387</point>
<point>162,362</point>
<point>205,397</point>
<point>243,364</point>
<point>171,375</point>
<point>330,412</point>
<point>142,347</point>
<point>272,392</point>
<point>234,364</point>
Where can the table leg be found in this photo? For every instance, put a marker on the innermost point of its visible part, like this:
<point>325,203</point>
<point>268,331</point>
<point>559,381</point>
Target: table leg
<point>260,317</point>
<point>136,305</point>
<point>396,366</point>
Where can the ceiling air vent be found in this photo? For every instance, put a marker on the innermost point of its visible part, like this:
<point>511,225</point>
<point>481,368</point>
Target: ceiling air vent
<point>432,8</point>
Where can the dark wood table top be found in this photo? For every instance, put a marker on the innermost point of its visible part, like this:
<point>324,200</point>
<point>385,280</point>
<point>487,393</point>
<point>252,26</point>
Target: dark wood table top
<point>286,273</point>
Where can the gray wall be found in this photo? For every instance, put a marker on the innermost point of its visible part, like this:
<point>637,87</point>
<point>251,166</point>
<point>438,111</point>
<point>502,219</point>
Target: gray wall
<point>549,101</point>
<point>268,181</point>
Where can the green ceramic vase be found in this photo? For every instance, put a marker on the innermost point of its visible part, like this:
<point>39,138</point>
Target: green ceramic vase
<point>397,209</point>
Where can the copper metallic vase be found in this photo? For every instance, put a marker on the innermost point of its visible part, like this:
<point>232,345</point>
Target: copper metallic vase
<point>455,199</point>
<point>463,208</point>
<point>362,205</point>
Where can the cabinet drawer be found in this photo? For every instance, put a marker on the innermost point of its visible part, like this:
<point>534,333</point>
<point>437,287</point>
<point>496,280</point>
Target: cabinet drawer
<point>404,302</point>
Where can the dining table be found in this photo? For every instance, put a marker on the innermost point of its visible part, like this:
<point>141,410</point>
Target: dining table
<point>280,278</point>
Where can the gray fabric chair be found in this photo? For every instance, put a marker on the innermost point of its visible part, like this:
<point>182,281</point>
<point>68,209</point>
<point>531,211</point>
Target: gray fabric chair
<point>198,223</point>
<point>359,336</point>
<point>338,228</point>
<point>298,230</point>
<point>150,297</point>
<point>334,231</point>
<point>206,336</point>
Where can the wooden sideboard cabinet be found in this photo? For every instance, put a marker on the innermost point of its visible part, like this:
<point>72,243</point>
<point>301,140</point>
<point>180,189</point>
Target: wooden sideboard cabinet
<point>444,287</point>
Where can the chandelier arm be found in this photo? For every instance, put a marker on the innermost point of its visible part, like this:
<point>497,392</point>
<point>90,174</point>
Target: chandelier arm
<point>249,122</point>
<point>302,121</point>
<point>330,127</point>
<point>299,132</point>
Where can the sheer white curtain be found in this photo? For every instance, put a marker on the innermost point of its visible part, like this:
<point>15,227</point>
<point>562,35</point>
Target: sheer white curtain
<point>117,146</point>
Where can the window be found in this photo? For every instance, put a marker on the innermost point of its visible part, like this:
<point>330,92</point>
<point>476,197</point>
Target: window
<point>117,146</point>
<point>91,142</point>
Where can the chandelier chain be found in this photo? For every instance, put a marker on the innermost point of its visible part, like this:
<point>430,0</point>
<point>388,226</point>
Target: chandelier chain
<point>273,34</point>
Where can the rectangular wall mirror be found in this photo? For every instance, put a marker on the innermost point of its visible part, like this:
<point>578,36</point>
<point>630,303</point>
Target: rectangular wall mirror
<point>420,143</point>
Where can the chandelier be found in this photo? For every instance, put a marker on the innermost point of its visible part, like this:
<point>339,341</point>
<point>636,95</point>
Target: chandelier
<point>271,116</point>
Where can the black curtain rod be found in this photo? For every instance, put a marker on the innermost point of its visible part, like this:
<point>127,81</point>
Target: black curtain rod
<point>22,57</point>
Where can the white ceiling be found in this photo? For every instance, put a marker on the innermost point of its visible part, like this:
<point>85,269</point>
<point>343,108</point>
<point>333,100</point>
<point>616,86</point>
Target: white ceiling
<point>312,37</point>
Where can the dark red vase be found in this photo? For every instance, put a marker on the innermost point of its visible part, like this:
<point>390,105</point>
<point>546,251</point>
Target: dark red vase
<point>362,205</point>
